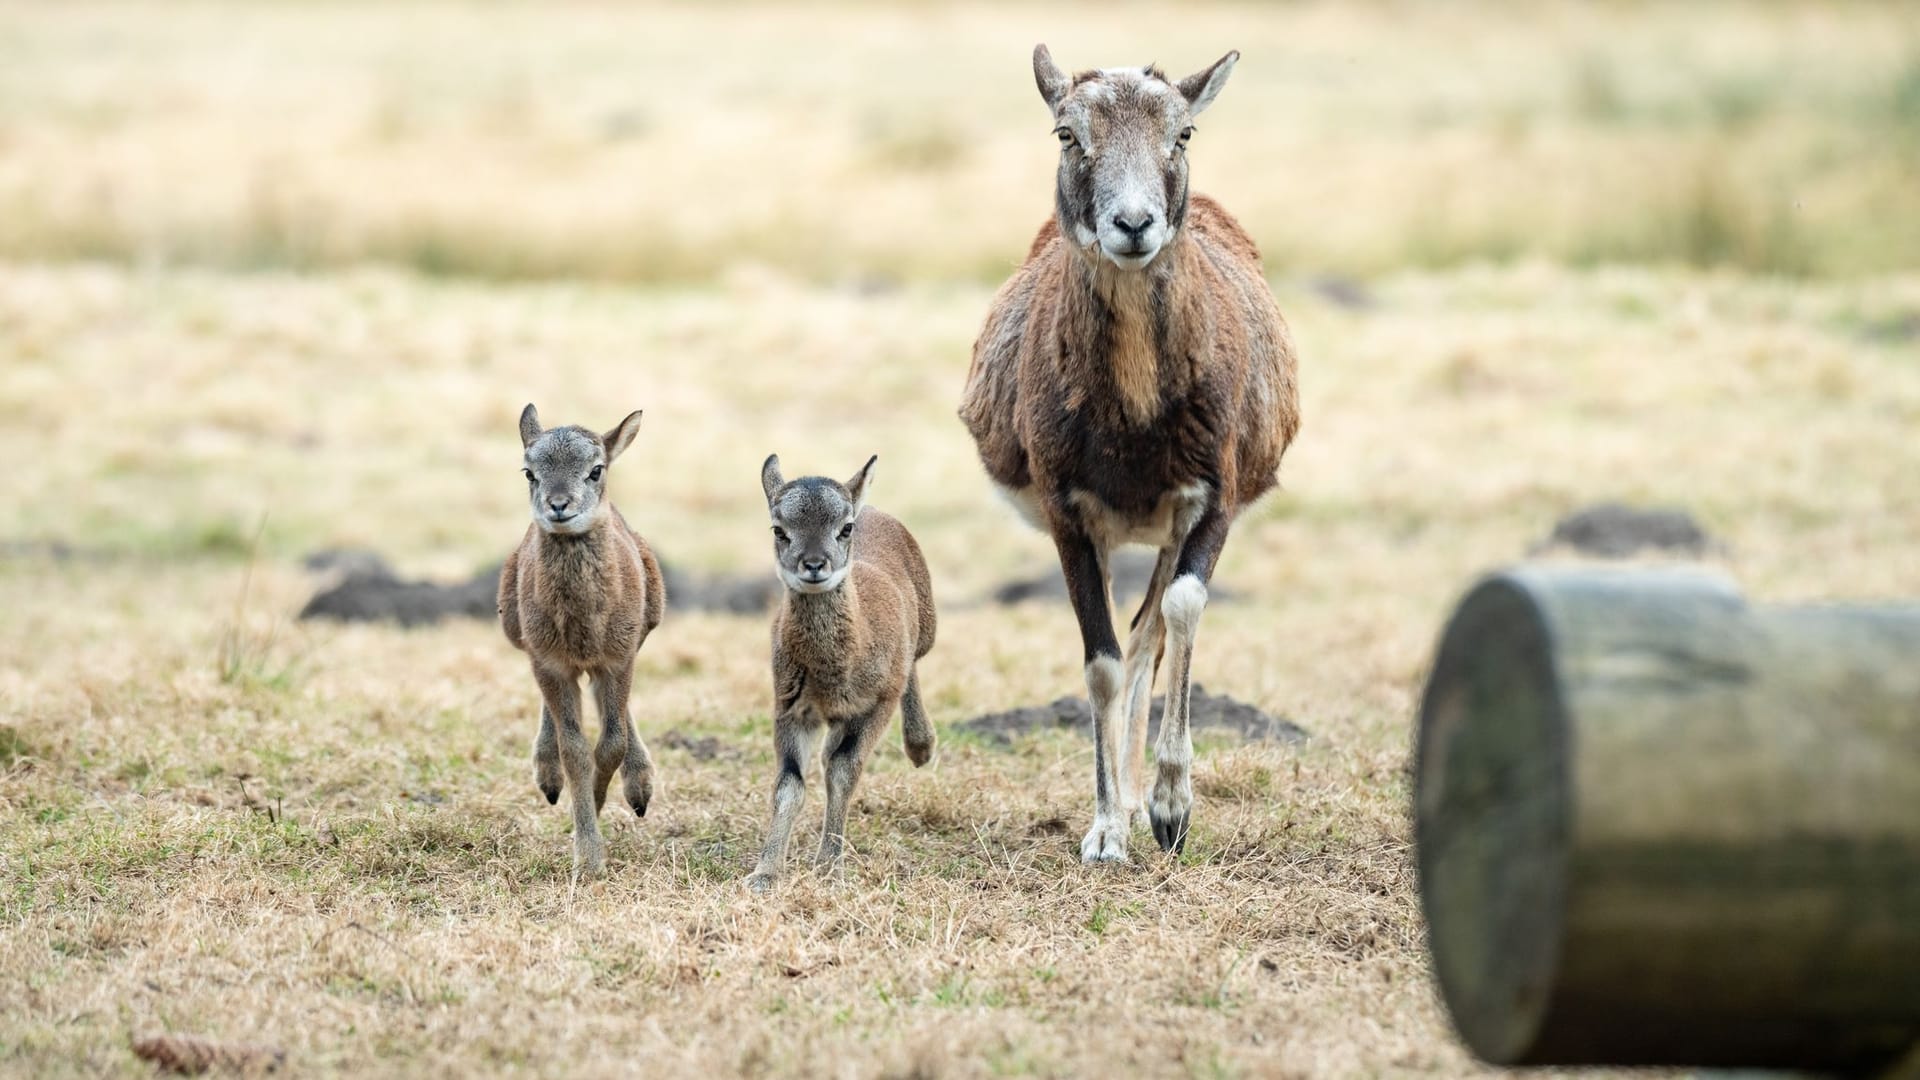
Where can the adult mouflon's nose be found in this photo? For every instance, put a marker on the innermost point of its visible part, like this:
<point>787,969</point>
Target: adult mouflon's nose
<point>1139,223</point>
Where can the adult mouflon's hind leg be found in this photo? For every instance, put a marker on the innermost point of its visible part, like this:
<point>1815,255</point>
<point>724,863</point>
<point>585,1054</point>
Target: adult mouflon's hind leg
<point>916,731</point>
<point>1171,808</point>
<point>546,757</point>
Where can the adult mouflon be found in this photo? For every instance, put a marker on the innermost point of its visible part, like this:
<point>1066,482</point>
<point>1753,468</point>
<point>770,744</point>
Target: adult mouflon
<point>579,596</point>
<point>1134,383</point>
<point>856,618</point>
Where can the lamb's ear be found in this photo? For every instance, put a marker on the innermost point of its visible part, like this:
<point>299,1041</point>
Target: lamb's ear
<point>1053,82</point>
<point>1202,87</point>
<point>770,479</point>
<point>862,480</point>
<point>529,425</point>
<point>621,436</point>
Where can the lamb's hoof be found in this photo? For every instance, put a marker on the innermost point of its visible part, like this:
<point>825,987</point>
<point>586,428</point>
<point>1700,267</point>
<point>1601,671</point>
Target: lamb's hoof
<point>589,862</point>
<point>552,794</point>
<point>1106,842</point>
<point>760,882</point>
<point>920,753</point>
<point>639,796</point>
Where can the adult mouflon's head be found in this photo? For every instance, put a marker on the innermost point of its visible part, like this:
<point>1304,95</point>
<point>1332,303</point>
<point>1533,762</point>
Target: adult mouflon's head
<point>813,525</point>
<point>1122,190</point>
<point>566,470</point>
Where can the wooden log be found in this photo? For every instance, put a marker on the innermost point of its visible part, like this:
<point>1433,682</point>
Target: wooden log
<point>1656,825</point>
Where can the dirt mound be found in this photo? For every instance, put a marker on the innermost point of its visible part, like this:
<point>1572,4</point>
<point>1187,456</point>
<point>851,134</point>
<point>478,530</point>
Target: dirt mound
<point>366,589</point>
<point>1213,712</point>
<point>1132,568</point>
<point>1618,531</point>
<point>369,591</point>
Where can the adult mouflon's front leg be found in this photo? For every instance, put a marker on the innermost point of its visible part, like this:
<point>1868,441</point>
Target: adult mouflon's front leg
<point>1171,807</point>
<point>1084,566</point>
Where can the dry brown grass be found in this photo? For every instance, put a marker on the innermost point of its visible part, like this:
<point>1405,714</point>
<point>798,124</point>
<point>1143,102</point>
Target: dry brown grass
<point>846,141</point>
<point>332,844</point>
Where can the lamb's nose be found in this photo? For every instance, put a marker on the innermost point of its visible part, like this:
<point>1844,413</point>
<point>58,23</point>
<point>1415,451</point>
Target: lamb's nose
<point>1134,227</point>
<point>813,566</point>
<point>558,502</point>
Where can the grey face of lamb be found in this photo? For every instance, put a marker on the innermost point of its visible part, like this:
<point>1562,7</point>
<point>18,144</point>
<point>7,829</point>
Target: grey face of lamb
<point>1122,184</point>
<point>813,525</point>
<point>566,471</point>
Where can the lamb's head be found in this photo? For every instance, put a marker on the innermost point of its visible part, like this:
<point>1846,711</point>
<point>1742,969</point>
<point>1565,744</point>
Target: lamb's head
<point>566,470</point>
<point>813,525</point>
<point>1122,189</point>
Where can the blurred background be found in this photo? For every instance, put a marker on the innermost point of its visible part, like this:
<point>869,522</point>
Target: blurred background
<point>253,248</point>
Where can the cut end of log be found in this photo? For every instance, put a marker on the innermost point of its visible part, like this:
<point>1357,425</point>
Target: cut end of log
<point>1491,819</point>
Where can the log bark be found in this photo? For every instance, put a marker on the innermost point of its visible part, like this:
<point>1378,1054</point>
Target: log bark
<point>1656,825</point>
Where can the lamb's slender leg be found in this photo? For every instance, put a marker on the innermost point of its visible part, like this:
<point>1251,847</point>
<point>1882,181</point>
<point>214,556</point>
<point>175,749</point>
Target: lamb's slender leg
<point>562,693</point>
<point>846,758</point>
<point>610,694</point>
<point>1085,568</point>
<point>916,731</point>
<point>1145,644</point>
<point>1172,805</point>
<point>546,757</point>
<point>796,740</point>
<point>615,688</point>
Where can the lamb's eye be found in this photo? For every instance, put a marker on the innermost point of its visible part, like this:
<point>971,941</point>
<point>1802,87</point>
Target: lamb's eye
<point>595,474</point>
<point>780,534</point>
<point>1066,136</point>
<point>846,532</point>
<point>1185,135</point>
<point>528,473</point>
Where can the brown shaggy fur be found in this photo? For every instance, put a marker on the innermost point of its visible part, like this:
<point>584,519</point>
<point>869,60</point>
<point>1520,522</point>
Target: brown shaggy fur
<point>843,661</point>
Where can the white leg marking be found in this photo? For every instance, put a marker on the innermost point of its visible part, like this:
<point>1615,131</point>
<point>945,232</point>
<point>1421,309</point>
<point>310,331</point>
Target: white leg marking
<point>1107,840</point>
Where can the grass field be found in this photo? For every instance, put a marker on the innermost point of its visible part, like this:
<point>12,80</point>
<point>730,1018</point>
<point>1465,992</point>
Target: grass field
<point>284,326</point>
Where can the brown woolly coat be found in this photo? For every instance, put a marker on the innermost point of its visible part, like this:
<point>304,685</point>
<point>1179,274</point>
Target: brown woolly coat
<point>582,603</point>
<point>1128,386</point>
<point>843,652</point>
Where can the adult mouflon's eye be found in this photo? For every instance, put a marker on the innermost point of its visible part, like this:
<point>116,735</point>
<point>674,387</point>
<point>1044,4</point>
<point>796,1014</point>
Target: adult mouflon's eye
<point>846,532</point>
<point>595,474</point>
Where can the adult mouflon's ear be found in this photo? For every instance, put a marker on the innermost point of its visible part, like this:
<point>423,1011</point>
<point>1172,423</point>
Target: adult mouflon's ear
<point>862,480</point>
<point>770,479</point>
<point>1053,82</point>
<point>621,436</point>
<point>1202,87</point>
<point>529,425</point>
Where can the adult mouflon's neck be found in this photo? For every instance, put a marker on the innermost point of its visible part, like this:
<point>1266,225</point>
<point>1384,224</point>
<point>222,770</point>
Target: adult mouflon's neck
<point>1126,324</point>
